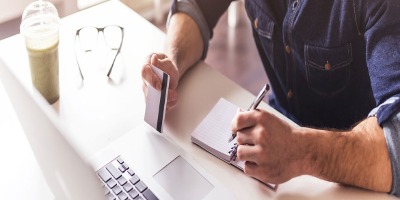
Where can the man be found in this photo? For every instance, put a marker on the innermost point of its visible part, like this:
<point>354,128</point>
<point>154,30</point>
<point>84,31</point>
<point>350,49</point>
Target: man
<point>334,65</point>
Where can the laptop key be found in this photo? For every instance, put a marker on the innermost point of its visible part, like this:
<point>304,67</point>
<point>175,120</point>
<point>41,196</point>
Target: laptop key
<point>122,169</point>
<point>133,193</point>
<point>149,195</point>
<point>111,183</point>
<point>104,175</point>
<point>128,187</point>
<point>117,189</point>
<point>123,196</point>
<point>125,166</point>
<point>122,180</point>
<point>114,171</point>
<point>131,172</point>
<point>134,179</point>
<point>140,186</point>
<point>139,198</point>
<point>120,186</point>
<point>120,161</point>
<point>105,190</point>
<point>110,196</point>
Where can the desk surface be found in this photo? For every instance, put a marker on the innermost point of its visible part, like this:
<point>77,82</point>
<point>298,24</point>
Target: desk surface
<point>98,111</point>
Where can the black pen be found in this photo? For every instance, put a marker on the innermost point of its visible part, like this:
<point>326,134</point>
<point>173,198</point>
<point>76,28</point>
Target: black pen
<point>254,105</point>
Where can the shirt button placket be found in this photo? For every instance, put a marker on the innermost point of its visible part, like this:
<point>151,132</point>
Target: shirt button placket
<point>295,3</point>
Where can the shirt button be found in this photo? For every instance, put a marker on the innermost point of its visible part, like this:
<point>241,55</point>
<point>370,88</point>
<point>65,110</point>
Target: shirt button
<point>290,94</point>
<point>328,66</point>
<point>256,23</point>
<point>287,49</point>
<point>295,3</point>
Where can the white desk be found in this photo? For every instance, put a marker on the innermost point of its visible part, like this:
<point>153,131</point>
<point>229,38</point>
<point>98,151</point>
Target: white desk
<point>99,111</point>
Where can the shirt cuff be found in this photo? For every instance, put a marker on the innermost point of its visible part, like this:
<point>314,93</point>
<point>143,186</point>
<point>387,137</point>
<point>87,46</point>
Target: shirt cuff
<point>191,8</point>
<point>391,129</point>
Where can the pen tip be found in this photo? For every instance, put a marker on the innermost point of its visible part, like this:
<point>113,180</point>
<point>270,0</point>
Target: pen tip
<point>267,86</point>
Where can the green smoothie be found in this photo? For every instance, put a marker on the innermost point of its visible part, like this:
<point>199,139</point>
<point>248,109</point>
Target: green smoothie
<point>44,71</point>
<point>40,28</point>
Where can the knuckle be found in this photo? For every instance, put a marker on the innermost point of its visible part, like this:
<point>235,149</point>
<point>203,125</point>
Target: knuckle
<point>240,153</point>
<point>249,169</point>
<point>172,95</point>
<point>257,135</point>
<point>261,135</point>
<point>146,71</point>
<point>246,170</point>
<point>240,139</point>
<point>262,115</point>
<point>259,152</point>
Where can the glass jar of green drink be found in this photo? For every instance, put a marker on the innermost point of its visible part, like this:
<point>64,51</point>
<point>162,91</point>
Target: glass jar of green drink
<point>40,28</point>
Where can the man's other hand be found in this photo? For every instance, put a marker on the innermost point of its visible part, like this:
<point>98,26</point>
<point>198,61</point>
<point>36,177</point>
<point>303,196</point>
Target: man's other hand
<point>149,77</point>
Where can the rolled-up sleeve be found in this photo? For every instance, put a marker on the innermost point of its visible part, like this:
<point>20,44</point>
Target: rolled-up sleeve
<point>204,12</point>
<point>382,35</point>
<point>391,130</point>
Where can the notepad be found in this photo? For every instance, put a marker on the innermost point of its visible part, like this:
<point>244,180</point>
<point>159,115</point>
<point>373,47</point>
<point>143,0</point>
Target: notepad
<point>213,133</point>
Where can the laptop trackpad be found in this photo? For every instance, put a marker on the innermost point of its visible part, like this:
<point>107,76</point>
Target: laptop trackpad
<point>182,181</point>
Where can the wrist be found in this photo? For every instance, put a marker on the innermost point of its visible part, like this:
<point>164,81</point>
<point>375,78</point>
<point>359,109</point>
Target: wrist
<point>301,145</point>
<point>310,148</point>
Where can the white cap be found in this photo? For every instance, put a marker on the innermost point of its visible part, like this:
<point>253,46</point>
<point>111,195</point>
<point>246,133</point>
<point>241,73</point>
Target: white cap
<point>40,25</point>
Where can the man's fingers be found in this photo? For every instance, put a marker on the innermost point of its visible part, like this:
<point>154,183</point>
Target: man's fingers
<point>251,169</point>
<point>243,120</point>
<point>156,58</point>
<point>148,59</point>
<point>245,137</point>
<point>248,153</point>
<point>171,104</point>
<point>172,95</point>
<point>150,77</point>
<point>172,98</point>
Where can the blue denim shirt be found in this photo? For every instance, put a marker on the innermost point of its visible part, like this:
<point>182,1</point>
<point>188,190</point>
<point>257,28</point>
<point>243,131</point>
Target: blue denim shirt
<point>329,62</point>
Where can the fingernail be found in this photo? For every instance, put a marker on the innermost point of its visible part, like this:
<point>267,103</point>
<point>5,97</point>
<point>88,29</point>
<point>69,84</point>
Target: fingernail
<point>153,58</point>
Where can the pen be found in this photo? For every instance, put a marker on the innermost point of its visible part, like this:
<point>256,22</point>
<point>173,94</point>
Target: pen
<point>254,105</point>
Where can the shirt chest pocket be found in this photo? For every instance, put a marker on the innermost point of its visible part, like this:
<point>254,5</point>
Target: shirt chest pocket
<point>328,68</point>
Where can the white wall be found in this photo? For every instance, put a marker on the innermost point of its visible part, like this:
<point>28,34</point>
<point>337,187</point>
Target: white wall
<point>150,9</point>
<point>13,9</point>
<point>11,12</point>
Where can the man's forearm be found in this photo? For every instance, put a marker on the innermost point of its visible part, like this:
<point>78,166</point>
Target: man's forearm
<point>358,157</point>
<point>184,44</point>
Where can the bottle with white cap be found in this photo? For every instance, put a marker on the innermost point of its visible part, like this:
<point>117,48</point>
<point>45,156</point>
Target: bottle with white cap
<point>40,28</point>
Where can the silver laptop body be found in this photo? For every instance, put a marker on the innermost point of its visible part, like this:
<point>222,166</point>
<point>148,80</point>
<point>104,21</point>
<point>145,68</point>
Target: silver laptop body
<point>162,167</point>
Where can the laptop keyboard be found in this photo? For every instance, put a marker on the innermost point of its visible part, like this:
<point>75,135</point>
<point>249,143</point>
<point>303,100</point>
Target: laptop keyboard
<point>121,182</point>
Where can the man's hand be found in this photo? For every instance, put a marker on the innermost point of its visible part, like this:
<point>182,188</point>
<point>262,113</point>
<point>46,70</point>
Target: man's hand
<point>149,77</point>
<point>268,145</point>
<point>275,152</point>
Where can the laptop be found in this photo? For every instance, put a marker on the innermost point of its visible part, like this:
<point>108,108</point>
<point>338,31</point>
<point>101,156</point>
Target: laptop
<point>140,165</point>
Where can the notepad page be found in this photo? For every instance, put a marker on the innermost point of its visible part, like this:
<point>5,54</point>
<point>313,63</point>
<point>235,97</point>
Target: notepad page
<point>214,131</point>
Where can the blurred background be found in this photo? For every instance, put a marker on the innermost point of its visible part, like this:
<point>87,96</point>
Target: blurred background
<point>232,50</point>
